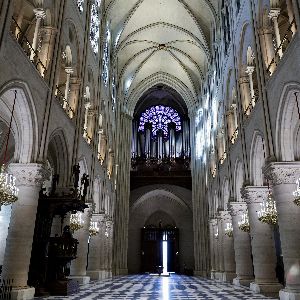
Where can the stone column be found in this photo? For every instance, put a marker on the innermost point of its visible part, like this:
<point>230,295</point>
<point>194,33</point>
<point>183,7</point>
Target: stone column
<point>100,133</point>
<point>73,96</point>
<point>273,15</point>
<point>220,273</point>
<point>29,180</point>
<point>212,250</point>
<point>69,71</point>
<point>228,249</point>
<point>5,213</point>
<point>40,15</point>
<point>87,106</point>
<point>96,249</point>
<point>78,266</point>
<point>249,71</point>
<point>283,176</point>
<point>109,247</point>
<point>242,246</point>
<point>268,48</point>
<point>263,244</point>
<point>245,94</point>
<point>46,53</point>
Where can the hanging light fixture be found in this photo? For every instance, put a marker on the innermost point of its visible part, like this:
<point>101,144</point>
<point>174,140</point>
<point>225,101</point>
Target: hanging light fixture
<point>229,229</point>
<point>268,211</point>
<point>8,189</point>
<point>94,229</point>
<point>244,223</point>
<point>76,221</point>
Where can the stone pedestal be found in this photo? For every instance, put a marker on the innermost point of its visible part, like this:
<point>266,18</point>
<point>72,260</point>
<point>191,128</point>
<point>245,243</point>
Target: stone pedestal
<point>228,250</point>
<point>29,179</point>
<point>283,176</point>
<point>78,266</point>
<point>262,242</point>
<point>242,246</point>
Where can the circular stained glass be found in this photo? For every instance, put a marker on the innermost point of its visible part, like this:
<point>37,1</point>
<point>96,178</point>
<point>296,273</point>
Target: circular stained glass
<point>160,117</point>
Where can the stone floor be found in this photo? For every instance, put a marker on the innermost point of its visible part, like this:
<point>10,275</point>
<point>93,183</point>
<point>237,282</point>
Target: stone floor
<point>146,287</point>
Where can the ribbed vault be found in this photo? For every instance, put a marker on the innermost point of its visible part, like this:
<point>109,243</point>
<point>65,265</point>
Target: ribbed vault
<point>161,41</point>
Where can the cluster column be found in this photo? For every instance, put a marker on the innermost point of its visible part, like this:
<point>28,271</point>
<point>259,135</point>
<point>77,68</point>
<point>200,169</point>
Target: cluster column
<point>228,248</point>
<point>96,251</point>
<point>262,242</point>
<point>242,246</point>
<point>283,176</point>
<point>220,240</point>
<point>29,179</point>
<point>78,266</point>
<point>212,223</point>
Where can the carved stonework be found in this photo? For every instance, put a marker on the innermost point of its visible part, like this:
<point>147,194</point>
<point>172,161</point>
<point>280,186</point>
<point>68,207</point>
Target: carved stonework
<point>254,194</point>
<point>29,174</point>
<point>237,208</point>
<point>282,172</point>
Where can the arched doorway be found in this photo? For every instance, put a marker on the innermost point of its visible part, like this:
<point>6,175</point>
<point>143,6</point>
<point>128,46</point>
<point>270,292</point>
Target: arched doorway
<point>160,244</point>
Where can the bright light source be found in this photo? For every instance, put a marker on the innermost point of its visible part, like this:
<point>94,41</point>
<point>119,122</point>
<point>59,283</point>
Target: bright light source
<point>165,257</point>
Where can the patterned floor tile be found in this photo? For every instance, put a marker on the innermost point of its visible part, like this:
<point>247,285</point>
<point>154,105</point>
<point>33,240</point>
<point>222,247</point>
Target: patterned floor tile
<point>146,287</point>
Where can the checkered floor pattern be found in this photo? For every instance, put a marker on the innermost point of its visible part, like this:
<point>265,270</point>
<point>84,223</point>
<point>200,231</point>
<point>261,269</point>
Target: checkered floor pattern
<point>146,287</point>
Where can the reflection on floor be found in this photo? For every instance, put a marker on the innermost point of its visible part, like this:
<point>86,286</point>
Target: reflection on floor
<point>145,287</point>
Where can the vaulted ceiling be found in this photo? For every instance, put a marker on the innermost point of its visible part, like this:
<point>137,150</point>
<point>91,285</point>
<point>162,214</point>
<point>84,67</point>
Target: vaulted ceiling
<point>161,41</point>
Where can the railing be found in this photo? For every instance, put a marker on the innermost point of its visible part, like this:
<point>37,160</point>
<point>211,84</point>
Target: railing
<point>86,136</point>
<point>31,53</point>
<point>5,289</point>
<point>64,103</point>
<point>282,47</point>
<point>234,136</point>
<point>223,157</point>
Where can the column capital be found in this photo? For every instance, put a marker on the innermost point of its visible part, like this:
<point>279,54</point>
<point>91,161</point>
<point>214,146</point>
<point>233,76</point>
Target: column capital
<point>250,70</point>
<point>32,174</point>
<point>39,13</point>
<point>213,221</point>
<point>225,215</point>
<point>274,13</point>
<point>254,194</point>
<point>237,208</point>
<point>69,70</point>
<point>282,172</point>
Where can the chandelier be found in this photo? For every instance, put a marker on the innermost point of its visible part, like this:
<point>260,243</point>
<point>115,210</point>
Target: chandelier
<point>268,211</point>
<point>8,190</point>
<point>229,230</point>
<point>244,223</point>
<point>296,193</point>
<point>94,229</point>
<point>76,221</point>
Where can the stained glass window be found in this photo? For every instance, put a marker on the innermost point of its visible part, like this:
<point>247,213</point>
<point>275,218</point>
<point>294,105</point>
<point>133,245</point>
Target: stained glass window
<point>160,116</point>
<point>80,4</point>
<point>95,25</point>
<point>105,63</point>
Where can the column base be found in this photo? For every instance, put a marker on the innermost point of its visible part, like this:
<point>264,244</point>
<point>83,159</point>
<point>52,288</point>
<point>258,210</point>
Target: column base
<point>267,289</point>
<point>80,279</point>
<point>219,276</point>
<point>241,281</point>
<point>99,275</point>
<point>289,295</point>
<point>205,274</point>
<point>121,272</point>
<point>228,276</point>
<point>212,275</point>
<point>23,294</point>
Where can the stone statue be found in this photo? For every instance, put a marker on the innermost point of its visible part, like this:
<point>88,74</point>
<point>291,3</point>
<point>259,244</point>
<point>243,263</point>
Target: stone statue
<point>85,182</point>
<point>76,172</point>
